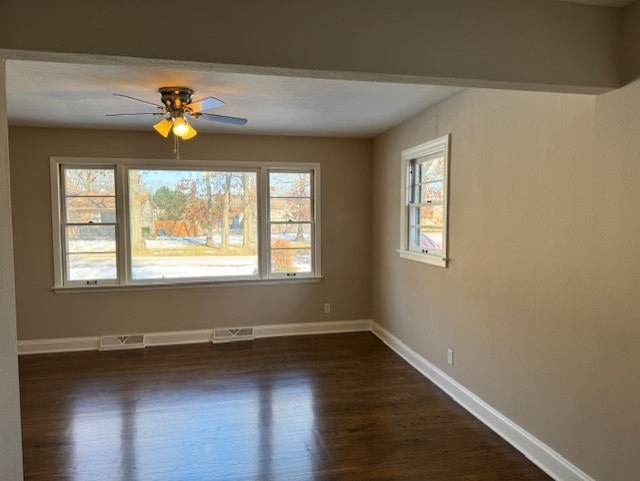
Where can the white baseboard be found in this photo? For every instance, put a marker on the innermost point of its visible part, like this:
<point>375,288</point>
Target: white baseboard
<point>69,344</point>
<point>535,450</point>
<point>170,338</point>
<point>306,328</point>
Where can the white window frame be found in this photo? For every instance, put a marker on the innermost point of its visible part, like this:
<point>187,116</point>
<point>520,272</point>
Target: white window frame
<point>62,223</point>
<point>314,222</point>
<point>122,167</point>
<point>440,144</point>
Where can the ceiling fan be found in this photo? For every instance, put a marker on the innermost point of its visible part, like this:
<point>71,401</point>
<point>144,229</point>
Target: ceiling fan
<point>176,107</point>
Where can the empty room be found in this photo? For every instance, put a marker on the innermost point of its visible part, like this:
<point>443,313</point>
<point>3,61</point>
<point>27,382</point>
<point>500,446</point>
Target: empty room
<point>320,240</point>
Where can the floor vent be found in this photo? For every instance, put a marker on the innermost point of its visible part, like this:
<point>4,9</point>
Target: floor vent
<point>109,343</point>
<point>229,335</point>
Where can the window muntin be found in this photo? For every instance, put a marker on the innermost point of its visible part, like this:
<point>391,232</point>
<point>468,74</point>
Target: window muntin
<point>88,225</point>
<point>140,192</point>
<point>424,205</point>
<point>291,222</point>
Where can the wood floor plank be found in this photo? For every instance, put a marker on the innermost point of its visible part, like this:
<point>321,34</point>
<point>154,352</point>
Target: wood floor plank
<point>333,407</point>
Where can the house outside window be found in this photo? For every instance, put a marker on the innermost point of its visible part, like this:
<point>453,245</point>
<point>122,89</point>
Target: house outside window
<point>424,204</point>
<point>141,222</point>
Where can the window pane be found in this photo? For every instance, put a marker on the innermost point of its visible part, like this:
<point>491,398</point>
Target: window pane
<point>430,239</point>
<point>430,216</point>
<point>192,224</point>
<point>432,192</point>
<point>91,238</point>
<point>94,181</point>
<point>98,210</point>
<point>287,184</point>
<point>290,235</point>
<point>414,237</point>
<point>432,169</point>
<point>283,209</point>
<point>425,239</point>
<point>89,267</point>
<point>290,260</point>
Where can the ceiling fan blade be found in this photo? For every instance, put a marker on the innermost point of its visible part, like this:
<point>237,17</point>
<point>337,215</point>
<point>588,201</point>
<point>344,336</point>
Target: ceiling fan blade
<point>222,118</point>
<point>137,100</point>
<point>205,104</point>
<point>137,113</point>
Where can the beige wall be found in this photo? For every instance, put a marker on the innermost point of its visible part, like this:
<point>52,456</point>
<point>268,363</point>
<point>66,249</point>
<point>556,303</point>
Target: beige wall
<point>541,43</point>
<point>631,42</point>
<point>540,302</point>
<point>345,240</point>
<point>10,446</point>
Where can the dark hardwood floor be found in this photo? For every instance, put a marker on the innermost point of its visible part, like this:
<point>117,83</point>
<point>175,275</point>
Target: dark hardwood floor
<point>335,407</point>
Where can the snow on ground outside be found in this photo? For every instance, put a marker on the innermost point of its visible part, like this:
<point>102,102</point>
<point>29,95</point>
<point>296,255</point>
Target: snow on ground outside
<point>103,266</point>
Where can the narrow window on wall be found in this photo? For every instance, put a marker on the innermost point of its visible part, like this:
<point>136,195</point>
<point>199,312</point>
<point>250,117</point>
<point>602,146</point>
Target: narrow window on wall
<point>291,223</point>
<point>424,206</point>
<point>89,227</point>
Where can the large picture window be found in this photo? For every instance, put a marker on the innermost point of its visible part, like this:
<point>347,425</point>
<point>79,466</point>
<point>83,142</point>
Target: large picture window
<point>142,223</point>
<point>192,224</point>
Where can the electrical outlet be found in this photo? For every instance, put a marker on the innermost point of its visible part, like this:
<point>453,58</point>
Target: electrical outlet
<point>450,357</point>
<point>327,308</point>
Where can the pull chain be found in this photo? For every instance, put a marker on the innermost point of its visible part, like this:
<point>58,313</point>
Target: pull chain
<point>176,146</point>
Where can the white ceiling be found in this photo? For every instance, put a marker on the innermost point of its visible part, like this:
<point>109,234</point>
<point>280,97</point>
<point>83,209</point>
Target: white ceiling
<point>78,96</point>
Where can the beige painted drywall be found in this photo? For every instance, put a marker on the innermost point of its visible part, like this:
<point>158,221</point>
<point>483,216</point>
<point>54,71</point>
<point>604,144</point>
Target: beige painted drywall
<point>631,42</point>
<point>540,301</point>
<point>10,436</point>
<point>345,166</point>
<point>546,44</point>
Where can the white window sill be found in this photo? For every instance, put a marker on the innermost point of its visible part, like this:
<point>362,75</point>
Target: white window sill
<point>187,285</point>
<point>424,258</point>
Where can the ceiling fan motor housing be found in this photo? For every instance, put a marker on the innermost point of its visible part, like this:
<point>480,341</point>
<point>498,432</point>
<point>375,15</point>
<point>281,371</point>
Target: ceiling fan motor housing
<point>175,99</point>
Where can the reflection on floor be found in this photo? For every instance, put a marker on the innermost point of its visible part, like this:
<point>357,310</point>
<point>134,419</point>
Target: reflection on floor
<point>300,408</point>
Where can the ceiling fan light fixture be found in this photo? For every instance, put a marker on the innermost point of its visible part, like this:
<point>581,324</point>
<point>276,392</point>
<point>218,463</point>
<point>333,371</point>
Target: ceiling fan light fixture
<point>180,127</point>
<point>191,133</point>
<point>163,127</point>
